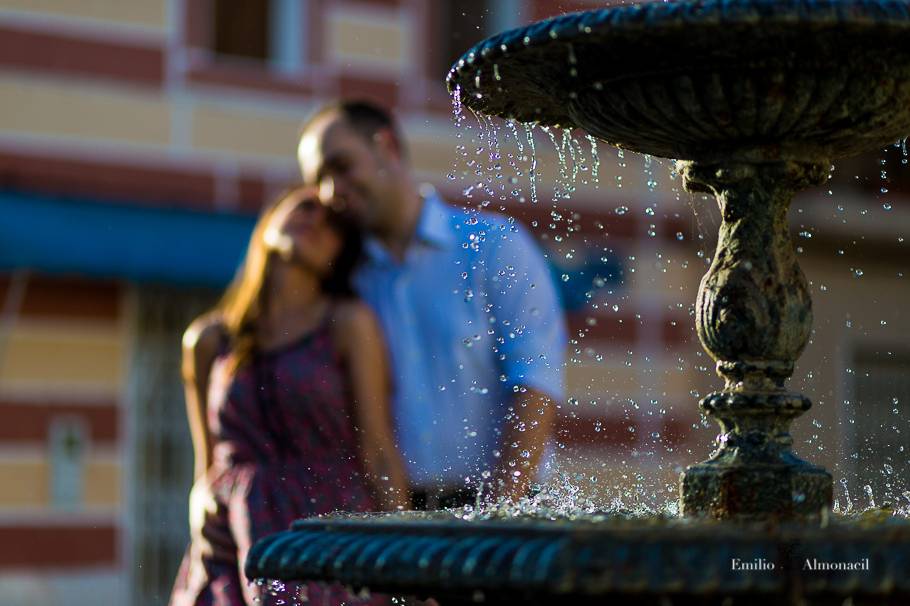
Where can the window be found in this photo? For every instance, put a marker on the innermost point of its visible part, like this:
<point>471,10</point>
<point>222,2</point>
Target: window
<point>68,446</point>
<point>161,468</point>
<point>264,31</point>
<point>241,29</point>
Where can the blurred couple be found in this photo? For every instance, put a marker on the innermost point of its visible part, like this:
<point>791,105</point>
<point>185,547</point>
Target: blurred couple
<point>378,349</point>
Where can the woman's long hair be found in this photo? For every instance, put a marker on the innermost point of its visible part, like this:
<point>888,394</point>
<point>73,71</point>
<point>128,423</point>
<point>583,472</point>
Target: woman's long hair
<point>244,303</point>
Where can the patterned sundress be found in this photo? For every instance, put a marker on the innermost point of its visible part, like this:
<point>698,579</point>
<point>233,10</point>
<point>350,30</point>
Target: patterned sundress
<point>285,448</point>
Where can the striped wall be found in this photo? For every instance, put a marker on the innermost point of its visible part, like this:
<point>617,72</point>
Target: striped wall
<point>63,352</point>
<point>63,348</point>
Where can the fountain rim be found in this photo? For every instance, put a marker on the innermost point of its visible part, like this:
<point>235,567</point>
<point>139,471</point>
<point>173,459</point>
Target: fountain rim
<point>431,557</point>
<point>655,15</point>
<point>594,525</point>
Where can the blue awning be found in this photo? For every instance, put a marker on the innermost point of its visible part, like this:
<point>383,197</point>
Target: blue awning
<point>124,241</point>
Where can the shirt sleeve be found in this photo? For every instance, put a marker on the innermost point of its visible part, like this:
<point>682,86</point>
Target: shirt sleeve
<point>528,320</point>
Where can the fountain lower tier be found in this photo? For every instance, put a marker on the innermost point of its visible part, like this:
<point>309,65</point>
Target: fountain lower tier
<point>634,561</point>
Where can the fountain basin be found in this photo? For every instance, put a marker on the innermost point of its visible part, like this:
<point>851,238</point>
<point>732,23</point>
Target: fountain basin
<point>635,560</point>
<point>753,80</point>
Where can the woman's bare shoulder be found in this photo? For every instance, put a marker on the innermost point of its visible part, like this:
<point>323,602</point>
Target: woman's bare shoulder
<point>204,336</point>
<point>353,311</point>
<point>354,321</point>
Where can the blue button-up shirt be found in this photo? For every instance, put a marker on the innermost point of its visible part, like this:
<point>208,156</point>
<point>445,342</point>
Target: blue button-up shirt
<point>470,314</point>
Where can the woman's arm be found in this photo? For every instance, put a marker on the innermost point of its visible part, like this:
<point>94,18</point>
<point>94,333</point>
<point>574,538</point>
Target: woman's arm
<point>201,342</point>
<point>363,348</point>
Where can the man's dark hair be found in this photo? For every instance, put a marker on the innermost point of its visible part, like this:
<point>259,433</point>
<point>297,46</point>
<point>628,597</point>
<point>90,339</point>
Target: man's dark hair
<point>364,117</point>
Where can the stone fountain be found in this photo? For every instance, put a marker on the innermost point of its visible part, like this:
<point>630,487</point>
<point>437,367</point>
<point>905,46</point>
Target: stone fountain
<point>754,99</point>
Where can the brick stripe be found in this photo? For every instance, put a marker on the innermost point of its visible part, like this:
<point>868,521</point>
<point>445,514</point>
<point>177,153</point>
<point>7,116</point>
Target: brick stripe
<point>168,185</point>
<point>675,431</point>
<point>165,185</point>
<point>598,226</point>
<point>381,91</point>
<point>678,331</point>
<point>42,547</point>
<point>68,298</point>
<point>618,329</point>
<point>589,222</point>
<point>59,54</point>
<point>233,75</point>
<point>30,422</point>
<point>252,193</point>
<point>543,9</point>
<point>622,329</point>
<point>600,431</point>
<point>617,433</point>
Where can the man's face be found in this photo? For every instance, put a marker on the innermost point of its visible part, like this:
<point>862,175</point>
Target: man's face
<point>350,171</point>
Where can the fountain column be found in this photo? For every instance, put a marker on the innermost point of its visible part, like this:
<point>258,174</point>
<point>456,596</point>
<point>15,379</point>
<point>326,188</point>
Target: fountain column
<point>754,317</point>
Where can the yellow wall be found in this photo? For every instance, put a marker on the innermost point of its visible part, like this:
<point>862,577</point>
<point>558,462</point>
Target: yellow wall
<point>72,111</point>
<point>145,13</point>
<point>25,481</point>
<point>245,132</point>
<point>64,357</point>
<point>372,39</point>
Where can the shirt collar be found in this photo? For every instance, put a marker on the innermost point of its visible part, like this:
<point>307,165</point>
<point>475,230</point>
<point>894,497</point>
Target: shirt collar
<point>434,225</point>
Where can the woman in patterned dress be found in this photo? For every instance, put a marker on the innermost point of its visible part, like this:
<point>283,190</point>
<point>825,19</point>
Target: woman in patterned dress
<point>287,399</point>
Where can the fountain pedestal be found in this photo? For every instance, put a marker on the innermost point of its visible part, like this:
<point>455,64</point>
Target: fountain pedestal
<point>754,316</point>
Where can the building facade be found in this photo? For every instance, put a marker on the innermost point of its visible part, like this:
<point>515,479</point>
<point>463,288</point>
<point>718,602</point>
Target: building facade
<point>138,138</point>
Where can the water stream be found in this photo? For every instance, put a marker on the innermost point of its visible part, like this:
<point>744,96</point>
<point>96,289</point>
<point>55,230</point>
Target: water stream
<point>511,166</point>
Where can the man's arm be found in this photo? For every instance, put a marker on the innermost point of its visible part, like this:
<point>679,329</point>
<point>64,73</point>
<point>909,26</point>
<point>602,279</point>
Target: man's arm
<point>531,342</point>
<point>525,435</point>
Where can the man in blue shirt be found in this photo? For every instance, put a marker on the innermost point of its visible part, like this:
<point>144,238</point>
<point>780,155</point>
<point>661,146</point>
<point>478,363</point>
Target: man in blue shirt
<point>472,321</point>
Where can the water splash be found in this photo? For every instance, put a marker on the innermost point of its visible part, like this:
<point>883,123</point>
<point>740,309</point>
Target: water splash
<point>579,160</point>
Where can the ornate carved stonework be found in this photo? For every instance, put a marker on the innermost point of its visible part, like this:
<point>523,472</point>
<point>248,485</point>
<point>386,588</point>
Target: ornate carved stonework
<point>754,315</point>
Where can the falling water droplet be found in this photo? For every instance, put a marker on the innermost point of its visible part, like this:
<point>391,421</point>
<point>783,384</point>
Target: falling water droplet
<point>529,134</point>
<point>595,158</point>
